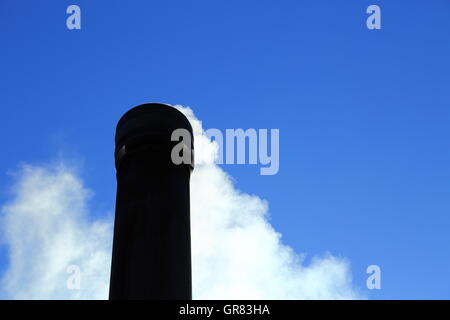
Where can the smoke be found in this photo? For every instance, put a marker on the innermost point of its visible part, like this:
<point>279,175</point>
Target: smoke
<point>47,229</point>
<point>236,253</point>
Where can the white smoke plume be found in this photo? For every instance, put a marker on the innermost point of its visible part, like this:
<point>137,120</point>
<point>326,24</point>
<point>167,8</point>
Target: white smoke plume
<point>236,253</point>
<point>46,227</point>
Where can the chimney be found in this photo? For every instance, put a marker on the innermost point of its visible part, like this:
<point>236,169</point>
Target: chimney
<point>152,244</point>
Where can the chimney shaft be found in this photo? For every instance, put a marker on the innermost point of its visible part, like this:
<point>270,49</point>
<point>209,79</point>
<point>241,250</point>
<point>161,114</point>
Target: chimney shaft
<point>152,245</point>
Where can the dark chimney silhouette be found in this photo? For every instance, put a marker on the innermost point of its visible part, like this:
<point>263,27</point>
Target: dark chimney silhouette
<point>152,245</point>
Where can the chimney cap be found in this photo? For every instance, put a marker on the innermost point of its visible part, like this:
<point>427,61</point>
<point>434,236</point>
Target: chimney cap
<point>149,123</point>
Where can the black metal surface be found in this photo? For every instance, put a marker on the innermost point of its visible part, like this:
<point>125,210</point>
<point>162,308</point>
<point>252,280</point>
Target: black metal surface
<point>151,249</point>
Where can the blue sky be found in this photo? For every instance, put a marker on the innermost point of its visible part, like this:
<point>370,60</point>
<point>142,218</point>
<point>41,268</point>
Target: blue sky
<point>363,114</point>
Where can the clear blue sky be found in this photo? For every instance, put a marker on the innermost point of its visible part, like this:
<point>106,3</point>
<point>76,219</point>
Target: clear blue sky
<point>363,114</point>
